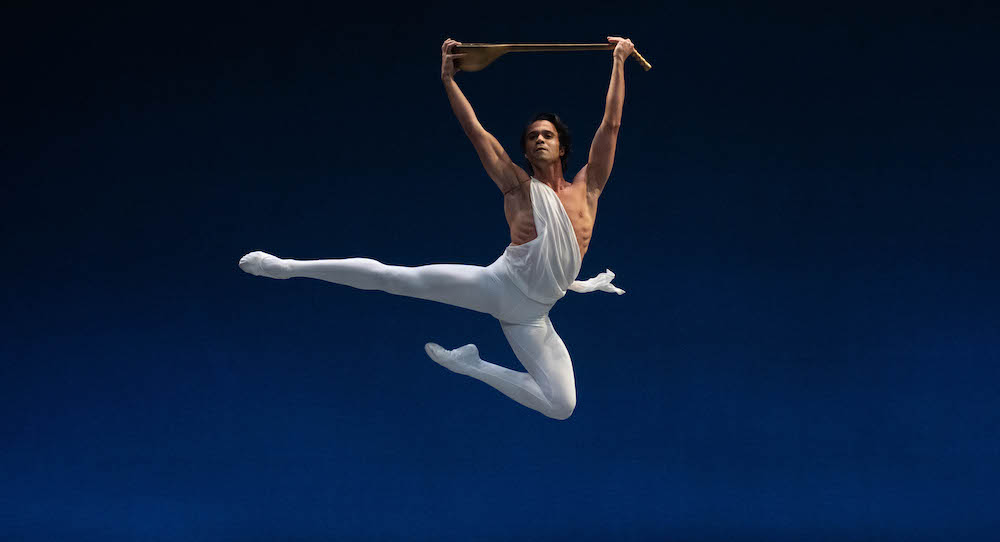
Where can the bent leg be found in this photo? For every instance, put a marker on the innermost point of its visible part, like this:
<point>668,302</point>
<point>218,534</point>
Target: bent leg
<point>542,352</point>
<point>467,286</point>
<point>548,387</point>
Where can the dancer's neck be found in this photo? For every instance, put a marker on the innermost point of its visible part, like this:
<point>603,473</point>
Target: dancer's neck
<point>551,175</point>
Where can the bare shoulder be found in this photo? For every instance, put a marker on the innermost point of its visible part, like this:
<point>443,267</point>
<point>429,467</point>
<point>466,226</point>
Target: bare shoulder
<point>518,181</point>
<point>520,175</point>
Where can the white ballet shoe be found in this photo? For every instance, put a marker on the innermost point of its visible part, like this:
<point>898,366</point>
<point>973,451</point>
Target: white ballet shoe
<point>262,264</point>
<point>462,360</point>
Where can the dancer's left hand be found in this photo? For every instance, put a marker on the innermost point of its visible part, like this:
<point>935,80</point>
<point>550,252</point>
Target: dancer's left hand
<point>624,47</point>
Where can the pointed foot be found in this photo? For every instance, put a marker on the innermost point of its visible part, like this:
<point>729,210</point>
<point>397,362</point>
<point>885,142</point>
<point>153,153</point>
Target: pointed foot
<point>262,264</point>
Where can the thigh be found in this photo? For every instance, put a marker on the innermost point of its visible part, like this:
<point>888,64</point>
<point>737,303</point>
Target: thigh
<point>543,354</point>
<point>515,307</point>
<point>467,286</point>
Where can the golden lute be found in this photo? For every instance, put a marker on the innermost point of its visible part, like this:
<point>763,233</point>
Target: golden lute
<point>480,55</point>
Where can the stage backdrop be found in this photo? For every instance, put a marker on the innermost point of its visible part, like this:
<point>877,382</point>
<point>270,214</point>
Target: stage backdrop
<point>803,211</point>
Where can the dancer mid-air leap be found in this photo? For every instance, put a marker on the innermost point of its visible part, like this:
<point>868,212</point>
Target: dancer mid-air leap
<point>550,220</point>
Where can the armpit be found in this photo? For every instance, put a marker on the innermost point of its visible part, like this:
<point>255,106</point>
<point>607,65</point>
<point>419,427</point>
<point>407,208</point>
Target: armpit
<point>516,186</point>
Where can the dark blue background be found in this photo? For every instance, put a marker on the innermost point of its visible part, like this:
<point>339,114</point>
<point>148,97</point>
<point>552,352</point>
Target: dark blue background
<point>803,210</point>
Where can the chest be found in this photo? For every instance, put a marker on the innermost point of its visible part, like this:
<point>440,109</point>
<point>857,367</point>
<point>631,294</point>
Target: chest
<point>578,206</point>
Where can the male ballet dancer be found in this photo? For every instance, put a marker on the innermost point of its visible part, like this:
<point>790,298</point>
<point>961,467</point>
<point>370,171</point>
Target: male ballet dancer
<point>550,222</point>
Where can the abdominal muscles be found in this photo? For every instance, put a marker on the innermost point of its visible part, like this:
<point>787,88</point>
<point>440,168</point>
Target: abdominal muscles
<point>522,227</point>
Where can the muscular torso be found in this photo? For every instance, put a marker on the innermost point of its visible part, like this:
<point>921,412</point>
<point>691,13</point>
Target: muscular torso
<point>580,205</point>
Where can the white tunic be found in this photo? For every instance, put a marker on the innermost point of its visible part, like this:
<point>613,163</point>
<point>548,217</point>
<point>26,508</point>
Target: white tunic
<point>546,267</point>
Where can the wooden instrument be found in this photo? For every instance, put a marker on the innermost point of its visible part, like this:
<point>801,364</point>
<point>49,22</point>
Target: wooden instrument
<point>480,55</point>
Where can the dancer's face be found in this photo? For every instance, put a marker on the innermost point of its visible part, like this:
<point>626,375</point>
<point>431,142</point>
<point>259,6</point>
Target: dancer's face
<point>542,142</point>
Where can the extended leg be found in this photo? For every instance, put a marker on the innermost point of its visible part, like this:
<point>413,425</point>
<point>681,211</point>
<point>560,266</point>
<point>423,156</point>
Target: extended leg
<point>548,387</point>
<point>467,286</point>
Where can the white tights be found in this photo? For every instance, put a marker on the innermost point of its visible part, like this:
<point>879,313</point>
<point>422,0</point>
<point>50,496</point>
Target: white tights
<point>548,386</point>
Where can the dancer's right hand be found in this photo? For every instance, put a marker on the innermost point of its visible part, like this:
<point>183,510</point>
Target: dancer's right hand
<point>448,67</point>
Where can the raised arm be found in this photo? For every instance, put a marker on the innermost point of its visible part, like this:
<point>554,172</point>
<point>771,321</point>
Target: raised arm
<point>498,164</point>
<point>602,150</point>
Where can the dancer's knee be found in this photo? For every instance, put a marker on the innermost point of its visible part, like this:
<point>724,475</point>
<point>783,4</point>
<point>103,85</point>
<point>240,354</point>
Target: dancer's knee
<point>393,279</point>
<point>562,407</point>
<point>406,281</point>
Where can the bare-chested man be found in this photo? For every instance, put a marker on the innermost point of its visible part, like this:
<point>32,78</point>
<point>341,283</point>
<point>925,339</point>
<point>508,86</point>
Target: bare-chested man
<point>550,221</point>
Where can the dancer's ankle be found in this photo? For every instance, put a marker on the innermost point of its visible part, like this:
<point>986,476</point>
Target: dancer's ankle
<point>289,267</point>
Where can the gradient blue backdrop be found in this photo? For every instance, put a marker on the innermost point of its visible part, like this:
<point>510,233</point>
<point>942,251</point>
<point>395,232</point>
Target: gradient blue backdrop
<point>803,210</point>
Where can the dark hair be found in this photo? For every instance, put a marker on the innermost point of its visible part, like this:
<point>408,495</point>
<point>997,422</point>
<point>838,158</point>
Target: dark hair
<point>565,138</point>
